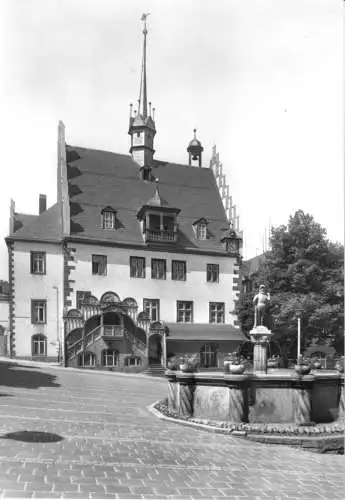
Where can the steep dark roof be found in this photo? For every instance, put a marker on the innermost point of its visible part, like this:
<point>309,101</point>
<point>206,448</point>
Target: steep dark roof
<point>99,178</point>
<point>21,220</point>
<point>37,227</point>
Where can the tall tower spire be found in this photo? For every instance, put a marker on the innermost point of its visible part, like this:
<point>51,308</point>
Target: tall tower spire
<point>142,126</point>
<point>143,82</point>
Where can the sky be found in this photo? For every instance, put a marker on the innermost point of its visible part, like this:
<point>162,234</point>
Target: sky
<point>260,79</point>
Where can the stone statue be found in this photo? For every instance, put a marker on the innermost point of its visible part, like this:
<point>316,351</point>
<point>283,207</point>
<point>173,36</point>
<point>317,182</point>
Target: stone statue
<point>260,302</point>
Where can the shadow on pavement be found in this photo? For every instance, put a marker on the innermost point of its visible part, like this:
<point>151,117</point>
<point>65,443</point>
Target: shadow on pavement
<point>13,375</point>
<point>33,437</point>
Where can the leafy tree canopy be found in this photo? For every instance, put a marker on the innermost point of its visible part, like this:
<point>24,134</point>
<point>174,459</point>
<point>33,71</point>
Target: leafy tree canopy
<point>302,270</point>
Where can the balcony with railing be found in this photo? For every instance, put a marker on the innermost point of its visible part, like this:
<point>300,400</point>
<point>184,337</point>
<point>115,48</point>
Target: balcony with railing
<point>112,331</point>
<point>160,235</point>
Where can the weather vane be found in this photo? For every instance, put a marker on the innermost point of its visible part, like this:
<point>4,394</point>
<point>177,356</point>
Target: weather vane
<point>143,18</point>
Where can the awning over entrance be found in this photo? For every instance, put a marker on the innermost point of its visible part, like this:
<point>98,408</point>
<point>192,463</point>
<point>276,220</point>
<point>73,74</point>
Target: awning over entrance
<point>201,331</point>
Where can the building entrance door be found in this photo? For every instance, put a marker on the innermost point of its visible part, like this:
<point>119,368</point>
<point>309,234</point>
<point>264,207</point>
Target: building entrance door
<point>155,350</point>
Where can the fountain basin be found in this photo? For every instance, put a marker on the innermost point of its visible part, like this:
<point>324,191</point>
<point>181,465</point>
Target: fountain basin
<point>278,396</point>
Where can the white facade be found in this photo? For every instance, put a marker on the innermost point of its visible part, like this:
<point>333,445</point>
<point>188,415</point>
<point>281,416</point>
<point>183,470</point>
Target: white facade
<point>28,287</point>
<point>168,291</point>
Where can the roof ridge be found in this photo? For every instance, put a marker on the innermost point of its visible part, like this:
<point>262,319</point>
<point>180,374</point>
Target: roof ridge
<point>156,161</point>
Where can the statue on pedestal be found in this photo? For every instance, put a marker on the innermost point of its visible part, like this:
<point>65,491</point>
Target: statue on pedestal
<point>260,302</point>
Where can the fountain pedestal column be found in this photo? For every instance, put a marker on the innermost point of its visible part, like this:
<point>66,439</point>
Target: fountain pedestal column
<point>260,336</point>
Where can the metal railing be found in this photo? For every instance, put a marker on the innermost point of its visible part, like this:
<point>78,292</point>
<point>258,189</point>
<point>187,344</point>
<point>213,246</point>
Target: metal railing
<point>139,344</point>
<point>108,331</point>
<point>160,235</point>
<point>75,349</point>
<point>112,331</point>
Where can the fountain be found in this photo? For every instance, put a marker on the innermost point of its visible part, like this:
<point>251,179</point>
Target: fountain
<point>260,396</point>
<point>260,335</point>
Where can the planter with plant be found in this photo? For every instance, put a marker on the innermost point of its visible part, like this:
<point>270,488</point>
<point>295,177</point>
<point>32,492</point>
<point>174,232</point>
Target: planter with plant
<point>340,364</point>
<point>316,363</point>
<point>303,366</point>
<point>173,363</point>
<point>234,363</point>
<point>189,363</point>
<point>273,361</point>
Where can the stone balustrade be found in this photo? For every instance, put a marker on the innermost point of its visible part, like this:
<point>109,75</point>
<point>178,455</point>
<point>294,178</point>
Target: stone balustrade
<point>278,396</point>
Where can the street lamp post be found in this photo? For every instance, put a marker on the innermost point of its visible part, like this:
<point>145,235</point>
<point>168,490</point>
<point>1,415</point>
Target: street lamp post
<point>299,315</point>
<point>58,344</point>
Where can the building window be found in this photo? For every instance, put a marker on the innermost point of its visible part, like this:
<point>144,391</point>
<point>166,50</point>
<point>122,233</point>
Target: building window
<point>151,308</point>
<point>133,361</point>
<point>184,312</point>
<point>217,312</point>
<point>179,270</point>
<point>108,220</point>
<point>38,311</point>
<point>158,269</point>
<point>39,345</point>
<point>99,264</point>
<point>208,356</point>
<point>38,263</point>
<point>201,231</point>
<point>213,273</point>
<point>110,358</point>
<point>137,267</point>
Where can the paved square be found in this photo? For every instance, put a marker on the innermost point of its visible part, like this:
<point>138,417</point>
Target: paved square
<point>104,443</point>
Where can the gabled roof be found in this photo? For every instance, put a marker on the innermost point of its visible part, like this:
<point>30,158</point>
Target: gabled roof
<point>100,178</point>
<point>21,220</point>
<point>108,208</point>
<point>202,220</point>
<point>37,227</point>
<point>157,200</point>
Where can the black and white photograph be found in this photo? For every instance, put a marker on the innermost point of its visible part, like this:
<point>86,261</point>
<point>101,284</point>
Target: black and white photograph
<point>172,249</point>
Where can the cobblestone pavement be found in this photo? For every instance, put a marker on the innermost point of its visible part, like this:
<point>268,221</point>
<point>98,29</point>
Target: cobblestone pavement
<point>106,444</point>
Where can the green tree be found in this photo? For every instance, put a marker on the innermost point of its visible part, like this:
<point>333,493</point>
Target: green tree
<point>303,270</point>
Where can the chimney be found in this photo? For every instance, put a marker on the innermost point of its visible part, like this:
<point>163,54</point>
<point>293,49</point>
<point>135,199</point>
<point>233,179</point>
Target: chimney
<point>42,207</point>
<point>12,214</point>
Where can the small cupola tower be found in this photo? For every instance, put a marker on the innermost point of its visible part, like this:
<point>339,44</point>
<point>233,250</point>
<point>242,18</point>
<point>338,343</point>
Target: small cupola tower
<point>195,150</point>
<point>141,121</point>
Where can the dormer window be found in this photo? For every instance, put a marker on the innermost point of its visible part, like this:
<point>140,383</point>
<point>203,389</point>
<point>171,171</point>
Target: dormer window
<point>200,229</point>
<point>158,220</point>
<point>108,218</point>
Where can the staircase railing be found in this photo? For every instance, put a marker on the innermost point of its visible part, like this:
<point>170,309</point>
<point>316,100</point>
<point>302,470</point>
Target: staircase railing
<point>90,338</point>
<point>74,349</point>
<point>139,344</point>
<point>83,343</point>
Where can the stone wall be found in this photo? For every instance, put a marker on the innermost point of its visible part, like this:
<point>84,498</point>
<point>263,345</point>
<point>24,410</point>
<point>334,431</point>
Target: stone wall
<point>278,397</point>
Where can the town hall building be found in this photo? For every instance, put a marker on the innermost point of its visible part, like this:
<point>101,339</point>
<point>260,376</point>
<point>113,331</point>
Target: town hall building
<point>137,261</point>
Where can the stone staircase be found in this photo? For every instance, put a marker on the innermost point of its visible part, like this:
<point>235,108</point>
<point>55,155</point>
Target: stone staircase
<point>154,370</point>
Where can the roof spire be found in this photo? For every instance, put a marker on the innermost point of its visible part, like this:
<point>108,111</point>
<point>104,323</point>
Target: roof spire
<point>143,83</point>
